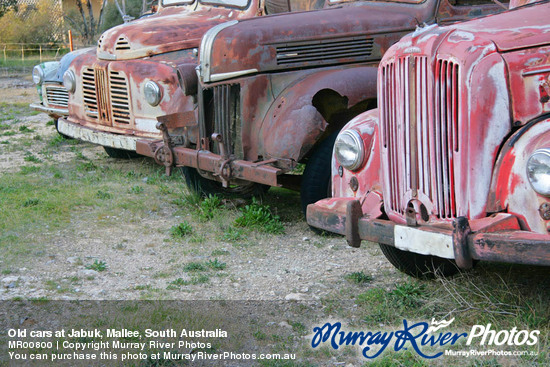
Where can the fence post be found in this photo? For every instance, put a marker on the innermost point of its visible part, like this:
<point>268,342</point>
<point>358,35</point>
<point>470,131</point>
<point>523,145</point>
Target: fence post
<point>22,53</point>
<point>40,51</point>
<point>4,53</point>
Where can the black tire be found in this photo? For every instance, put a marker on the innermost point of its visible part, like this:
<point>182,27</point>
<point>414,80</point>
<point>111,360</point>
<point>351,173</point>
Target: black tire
<point>57,129</point>
<point>317,176</point>
<point>417,265</point>
<point>204,187</point>
<point>120,153</point>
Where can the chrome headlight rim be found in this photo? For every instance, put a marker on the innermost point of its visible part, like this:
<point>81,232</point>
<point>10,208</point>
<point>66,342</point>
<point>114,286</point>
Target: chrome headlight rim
<point>356,143</point>
<point>69,81</point>
<point>37,75</point>
<point>152,93</point>
<point>539,159</point>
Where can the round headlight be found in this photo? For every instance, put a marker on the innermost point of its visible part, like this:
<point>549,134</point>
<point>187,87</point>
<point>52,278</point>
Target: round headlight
<point>349,149</point>
<point>37,75</point>
<point>152,93</point>
<point>69,81</point>
<point>538,171</point>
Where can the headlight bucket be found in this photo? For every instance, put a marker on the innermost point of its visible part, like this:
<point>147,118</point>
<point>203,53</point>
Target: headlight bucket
<point>152,93</point>
<point>37,75</point>
<point>69,81</point>
<point>349,150</point>
<point>538,171</point>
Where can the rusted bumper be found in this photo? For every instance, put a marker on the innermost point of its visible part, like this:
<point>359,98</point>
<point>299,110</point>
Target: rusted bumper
<point>126,142</point>
<point>495,238</point>
<point>53,111</point>
<point>223,168</point>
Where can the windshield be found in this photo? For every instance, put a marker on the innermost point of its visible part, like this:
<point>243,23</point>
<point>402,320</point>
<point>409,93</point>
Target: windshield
<point>229,3</point>
<point>176,2</point>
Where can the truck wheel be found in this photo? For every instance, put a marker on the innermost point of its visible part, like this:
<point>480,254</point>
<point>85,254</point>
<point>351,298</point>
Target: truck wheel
<point>120,153</point>
<point>204,186</point>
<point>417,265</point>
<point>316,178</point>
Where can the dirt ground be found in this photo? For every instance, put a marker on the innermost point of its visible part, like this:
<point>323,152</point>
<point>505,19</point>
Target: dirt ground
<point>297,265</point>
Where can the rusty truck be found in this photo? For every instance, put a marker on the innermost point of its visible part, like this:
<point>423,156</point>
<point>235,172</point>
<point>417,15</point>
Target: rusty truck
<point>454,164</point>
<point>117,92</point>
<point>273,92</point>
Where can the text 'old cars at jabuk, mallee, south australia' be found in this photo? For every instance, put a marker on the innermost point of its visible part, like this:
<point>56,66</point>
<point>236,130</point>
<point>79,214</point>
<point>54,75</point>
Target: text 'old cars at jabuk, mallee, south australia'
<point>454,165</point>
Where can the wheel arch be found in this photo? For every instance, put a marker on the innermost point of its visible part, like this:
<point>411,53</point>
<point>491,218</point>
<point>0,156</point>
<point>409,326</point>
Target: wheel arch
<point>312,108</point>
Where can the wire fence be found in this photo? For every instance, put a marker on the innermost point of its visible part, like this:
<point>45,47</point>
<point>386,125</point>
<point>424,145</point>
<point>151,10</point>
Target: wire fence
<point>18,59</point>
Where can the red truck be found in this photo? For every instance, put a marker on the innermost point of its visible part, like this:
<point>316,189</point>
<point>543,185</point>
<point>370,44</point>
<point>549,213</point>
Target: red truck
<point>454,165</point>
<point>117,92</point>
<point>274,91</point>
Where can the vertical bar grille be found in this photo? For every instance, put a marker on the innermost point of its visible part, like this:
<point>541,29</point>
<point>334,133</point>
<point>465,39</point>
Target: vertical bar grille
<point>226,102</point>
<point>102,95</point>
<point>418,149</point>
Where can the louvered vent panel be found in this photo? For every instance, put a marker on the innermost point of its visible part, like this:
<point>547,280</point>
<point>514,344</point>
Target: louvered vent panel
<point>89,92</point>
<point>122,44</point>
<point>329,50</point>
<point>120,104</point>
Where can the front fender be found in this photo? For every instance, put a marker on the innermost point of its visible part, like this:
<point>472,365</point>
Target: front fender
<point>304,110</point>
<point>510,188</point>
<point>365,182</point>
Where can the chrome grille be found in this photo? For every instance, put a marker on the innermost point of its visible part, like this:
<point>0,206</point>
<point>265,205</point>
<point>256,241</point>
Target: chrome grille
<point>327,50</point>
<point>419,124</point>
<point>120,105</point>
<point>57,96</point>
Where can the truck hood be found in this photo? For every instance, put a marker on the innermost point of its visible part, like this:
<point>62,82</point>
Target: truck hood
<point>297,40</point>
<point>169,30</point>
<point>519,28</point>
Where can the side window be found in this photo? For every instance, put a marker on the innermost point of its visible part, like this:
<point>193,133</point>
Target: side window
<point>285,6</point>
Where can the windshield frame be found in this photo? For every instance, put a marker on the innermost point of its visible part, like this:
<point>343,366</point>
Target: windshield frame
<point>219,4</point>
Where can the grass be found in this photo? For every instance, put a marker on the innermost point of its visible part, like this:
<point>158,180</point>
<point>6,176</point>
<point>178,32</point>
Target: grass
<point>259,217</point>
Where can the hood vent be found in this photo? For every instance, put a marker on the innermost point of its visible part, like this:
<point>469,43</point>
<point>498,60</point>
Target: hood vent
<point>344,49</point>
<point>122,44</point>
<point>100,40</point>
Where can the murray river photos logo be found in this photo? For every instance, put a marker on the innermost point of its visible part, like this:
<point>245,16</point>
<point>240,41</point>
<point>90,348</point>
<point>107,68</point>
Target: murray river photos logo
<point>419,335</point>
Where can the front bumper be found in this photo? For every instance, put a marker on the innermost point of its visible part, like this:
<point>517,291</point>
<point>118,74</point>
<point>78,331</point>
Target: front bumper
<point>55,112</point>
<point>106,139</point>
<point>495,238</point>
<point>220,167</point>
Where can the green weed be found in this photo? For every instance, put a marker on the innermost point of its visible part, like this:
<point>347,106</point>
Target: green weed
<point>358,277</point>
<point>181,230</point>
<point>97,265</point>
<point>259,217</point>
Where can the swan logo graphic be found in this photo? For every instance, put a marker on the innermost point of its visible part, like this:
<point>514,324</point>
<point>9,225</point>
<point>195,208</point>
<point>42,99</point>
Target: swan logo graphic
<point>439,325</point>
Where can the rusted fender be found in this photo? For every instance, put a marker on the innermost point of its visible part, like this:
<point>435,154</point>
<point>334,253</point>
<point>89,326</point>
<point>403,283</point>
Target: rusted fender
<point>293,125</point>
<point>510,188</point>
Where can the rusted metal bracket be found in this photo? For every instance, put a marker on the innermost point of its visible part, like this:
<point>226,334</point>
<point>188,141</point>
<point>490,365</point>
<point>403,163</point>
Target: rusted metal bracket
<point>353,214</point>
<point>224,170</point>
<point>461,231</point>
<point>164,155</point>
